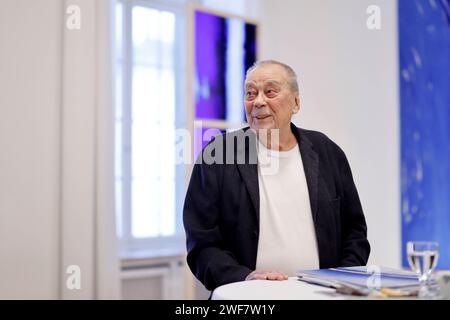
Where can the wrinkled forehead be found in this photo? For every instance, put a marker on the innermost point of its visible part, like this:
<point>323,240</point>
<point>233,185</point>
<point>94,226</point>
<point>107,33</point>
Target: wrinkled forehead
<point>266,74</point>
<point>264,82</point>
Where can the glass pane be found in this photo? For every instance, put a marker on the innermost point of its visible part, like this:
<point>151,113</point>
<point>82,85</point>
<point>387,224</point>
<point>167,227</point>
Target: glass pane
<point>167,97</point>
<point>118,87</point>
<point>166,60</point>
<point>118,193</point>
<point>118,148</point>
<point>118,31</point>
<point>146,23</point>
<point>146,95</point>
<point>167,152</point>
<point>146,35</point>
<point>145,151</point>
<point>167,205</point>
<point>167,39</point>
<point>145,208</point>
<point>167,27</point>
<point>153,123</point>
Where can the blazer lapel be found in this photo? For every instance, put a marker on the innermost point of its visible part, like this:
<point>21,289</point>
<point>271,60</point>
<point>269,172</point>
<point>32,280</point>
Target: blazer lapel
<point>249,169</point>
<point>310,160</point>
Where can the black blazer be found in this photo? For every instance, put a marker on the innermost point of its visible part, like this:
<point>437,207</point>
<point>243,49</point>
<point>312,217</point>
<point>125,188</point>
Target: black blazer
<point>221,209</point>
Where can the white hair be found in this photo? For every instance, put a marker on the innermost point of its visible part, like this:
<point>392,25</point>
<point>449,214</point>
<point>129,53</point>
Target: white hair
<point>292,76</point>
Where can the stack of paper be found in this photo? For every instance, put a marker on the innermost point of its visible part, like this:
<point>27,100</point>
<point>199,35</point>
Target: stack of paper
<point>361,278</point>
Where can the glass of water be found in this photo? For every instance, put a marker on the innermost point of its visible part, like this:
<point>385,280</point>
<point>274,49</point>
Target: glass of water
<point>422,258</point>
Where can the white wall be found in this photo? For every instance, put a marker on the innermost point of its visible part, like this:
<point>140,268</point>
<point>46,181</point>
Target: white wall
<point>30,78</point>
<point>349,90</point>
<point>56,142</point>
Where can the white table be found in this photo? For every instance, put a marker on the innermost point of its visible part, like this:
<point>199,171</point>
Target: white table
<point>291,289</point>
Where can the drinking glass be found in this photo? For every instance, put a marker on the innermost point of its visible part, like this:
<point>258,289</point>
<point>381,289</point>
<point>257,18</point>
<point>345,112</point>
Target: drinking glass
<point>422,258</point>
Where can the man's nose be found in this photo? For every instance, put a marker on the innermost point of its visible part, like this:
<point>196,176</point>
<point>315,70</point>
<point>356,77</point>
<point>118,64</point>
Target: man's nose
<point>259,101</point>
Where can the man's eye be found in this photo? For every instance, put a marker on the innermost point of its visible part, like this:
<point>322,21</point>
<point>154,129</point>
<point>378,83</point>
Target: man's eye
<point>250,94</point>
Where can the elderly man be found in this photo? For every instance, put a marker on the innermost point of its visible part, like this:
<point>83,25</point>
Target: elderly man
<point>289,204</point>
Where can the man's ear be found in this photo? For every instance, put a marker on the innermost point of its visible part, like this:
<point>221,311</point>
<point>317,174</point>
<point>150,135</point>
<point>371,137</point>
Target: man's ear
<point>297,104</point>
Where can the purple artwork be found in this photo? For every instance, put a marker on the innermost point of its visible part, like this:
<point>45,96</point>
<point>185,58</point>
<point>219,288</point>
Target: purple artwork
<point>224,49</point>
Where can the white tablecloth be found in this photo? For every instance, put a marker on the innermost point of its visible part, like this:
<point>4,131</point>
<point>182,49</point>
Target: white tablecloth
<point>291,289</point>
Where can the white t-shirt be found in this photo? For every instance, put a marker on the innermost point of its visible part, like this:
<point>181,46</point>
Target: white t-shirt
<point>287,239</point>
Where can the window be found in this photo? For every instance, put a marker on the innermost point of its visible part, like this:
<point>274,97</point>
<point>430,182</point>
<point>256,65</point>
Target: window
<point>151,104</point>
<point>149,72</point>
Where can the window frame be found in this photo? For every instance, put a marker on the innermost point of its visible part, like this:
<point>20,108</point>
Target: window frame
<point>163,244</point>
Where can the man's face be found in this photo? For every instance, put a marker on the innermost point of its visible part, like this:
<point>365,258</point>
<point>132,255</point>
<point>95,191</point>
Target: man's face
<point>269,100</point>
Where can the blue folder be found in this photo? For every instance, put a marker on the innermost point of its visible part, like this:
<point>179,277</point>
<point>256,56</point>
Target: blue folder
<point>361,277</point>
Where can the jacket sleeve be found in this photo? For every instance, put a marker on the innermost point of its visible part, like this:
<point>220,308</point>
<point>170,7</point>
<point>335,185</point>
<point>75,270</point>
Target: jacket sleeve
<point>355,246</point>
<point>207,256</point>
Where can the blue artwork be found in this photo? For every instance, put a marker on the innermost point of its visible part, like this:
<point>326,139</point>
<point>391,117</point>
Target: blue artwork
<point>424,36</point>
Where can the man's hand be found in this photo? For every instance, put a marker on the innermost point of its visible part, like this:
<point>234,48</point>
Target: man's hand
<point>266,275</point>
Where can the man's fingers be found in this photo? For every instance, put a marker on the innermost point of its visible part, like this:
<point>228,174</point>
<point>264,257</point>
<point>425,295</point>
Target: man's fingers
<point>266,275</point>
<point>258,275</point>
<point>276,276</point>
